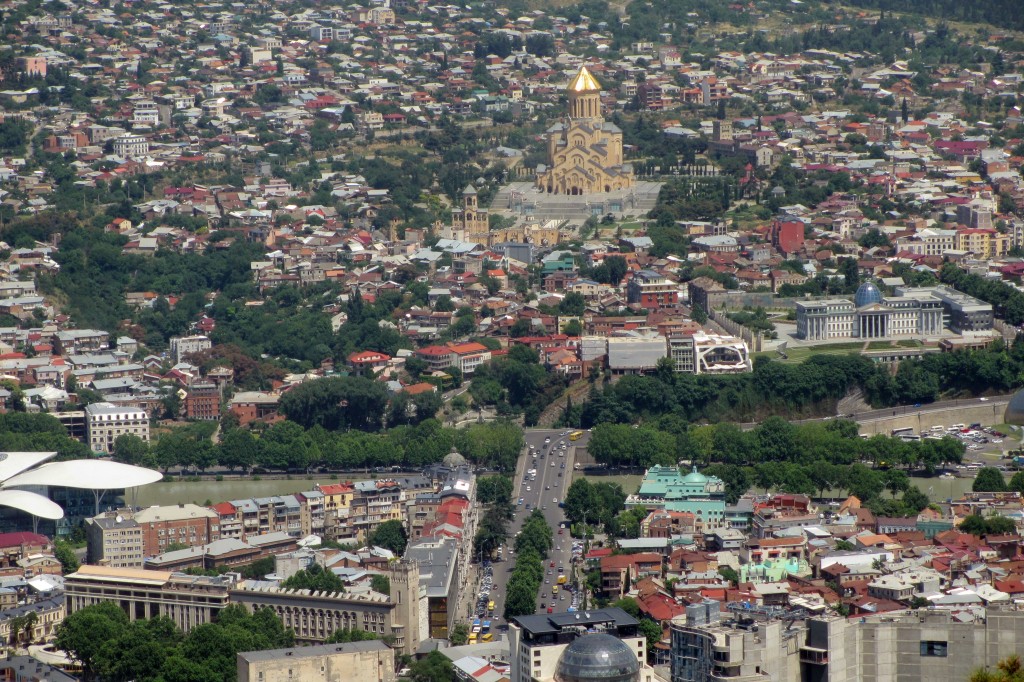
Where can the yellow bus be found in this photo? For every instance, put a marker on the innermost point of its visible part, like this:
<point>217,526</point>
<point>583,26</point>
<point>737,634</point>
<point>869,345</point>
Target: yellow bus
<point>554,589</point>
<point>575,435</point>
<point>562,579</point>
<point>486,637</point>
<point>472,638</point>
<point>490,605</point>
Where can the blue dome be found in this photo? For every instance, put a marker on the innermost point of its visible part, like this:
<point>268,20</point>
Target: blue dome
<point>867,294</point>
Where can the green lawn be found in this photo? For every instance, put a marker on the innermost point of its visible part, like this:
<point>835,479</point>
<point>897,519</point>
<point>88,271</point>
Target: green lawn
<point>801,354</point>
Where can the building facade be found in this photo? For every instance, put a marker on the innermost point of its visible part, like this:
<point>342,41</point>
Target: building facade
<point>188,600</point>
<point>536,642</point>
<point>371,661</point>
<point>106,421</point>
<point>585,151</point>
<point>664,487</point>
<point>649,289</point>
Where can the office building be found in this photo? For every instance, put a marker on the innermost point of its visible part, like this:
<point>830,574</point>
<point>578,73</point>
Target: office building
<point>371,661</point>
<point>537,643</point>
<point>917,312</point>
<point>962,313</point>
<point>438,562</point>
<point>703,353</point>
<point>774,644</point>
<point>188,600</point>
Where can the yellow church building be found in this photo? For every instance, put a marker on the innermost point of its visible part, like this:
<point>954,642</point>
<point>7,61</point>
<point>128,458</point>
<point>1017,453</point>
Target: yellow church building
<point>584,151</point>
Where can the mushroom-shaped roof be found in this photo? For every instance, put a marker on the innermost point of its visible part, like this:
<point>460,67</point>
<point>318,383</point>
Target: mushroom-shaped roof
<point>89,474</point>
<point>867,293</point>
<point>1015,410</point>
<point>597,657</point>
<point>583,81</point>
<point>33,503</point>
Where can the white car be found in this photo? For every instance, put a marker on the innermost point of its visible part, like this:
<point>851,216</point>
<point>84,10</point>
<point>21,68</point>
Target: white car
<point>527,488</point>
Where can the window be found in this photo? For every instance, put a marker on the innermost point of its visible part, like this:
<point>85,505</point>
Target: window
<point>937,649</point>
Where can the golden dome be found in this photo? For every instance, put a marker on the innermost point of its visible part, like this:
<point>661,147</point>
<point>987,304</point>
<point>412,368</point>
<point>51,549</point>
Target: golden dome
<point>583,82</point>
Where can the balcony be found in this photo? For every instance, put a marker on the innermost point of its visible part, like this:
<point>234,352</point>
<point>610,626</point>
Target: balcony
<point>813,655</point>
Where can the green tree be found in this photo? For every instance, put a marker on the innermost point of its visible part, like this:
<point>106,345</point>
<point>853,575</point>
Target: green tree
<point>84,633</point>
<point>459,634</point>
<point>130,449</point>
<point>989,480</point>
<point>315,578</point>
<point>381,583</point>
<point>652,632</point>
<point>434,667</point>
<point>1009,669</point>
<point>390,535</point>
<point>66,556</point>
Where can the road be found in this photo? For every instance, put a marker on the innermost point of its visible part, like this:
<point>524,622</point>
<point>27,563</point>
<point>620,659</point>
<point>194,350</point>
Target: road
<point>551,484</point>
<point>888,412</point>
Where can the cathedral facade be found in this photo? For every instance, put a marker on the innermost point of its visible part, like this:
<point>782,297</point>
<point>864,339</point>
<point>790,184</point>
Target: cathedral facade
<point>584,151</point>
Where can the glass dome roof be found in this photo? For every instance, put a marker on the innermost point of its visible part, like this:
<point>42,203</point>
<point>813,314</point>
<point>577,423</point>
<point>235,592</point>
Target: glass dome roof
<point>1015,410</point>
<point>598,658</point>
<point>867,293</point>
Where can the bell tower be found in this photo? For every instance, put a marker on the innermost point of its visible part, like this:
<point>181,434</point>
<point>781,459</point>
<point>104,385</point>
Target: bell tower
<point>584,96</point>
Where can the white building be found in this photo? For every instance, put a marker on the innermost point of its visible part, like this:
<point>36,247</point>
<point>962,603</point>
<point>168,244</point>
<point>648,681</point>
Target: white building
<point>183,346</point>
<point>104,422</point>
<point>703,353</point>
<point>131,145</point>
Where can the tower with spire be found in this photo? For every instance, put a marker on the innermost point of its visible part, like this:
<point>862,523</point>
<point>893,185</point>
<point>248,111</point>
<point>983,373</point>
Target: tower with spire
<point>584,150</point>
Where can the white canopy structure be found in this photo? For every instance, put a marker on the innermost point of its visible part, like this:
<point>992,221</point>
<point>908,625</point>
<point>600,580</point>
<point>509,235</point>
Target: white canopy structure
<point>18,469</point>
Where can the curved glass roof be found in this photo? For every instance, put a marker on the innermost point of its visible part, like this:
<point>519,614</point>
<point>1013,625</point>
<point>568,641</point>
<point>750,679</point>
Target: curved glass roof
<point>33,503</point>
<point>598,658</point>
<point>96,474</point>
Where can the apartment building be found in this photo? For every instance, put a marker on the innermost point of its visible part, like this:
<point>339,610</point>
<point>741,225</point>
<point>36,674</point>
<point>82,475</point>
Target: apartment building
<point>106,421</point>
<point>651,290</point>
<point>130,146</point>
<point>183,346</point>
<point>124,538</point>
<point>203,401</point>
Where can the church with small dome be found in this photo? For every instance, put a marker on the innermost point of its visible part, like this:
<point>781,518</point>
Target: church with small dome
<point>584,150</point>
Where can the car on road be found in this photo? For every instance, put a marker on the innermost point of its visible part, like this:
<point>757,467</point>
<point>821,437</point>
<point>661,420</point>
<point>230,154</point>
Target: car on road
<point>527,488</point>
<point>520,502</point>
<point>550,610</point>
<point>552,564</point>
<point>547,440</point>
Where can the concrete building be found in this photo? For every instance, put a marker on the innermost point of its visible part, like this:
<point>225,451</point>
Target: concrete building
<point>183,346</point>
<point>764,644</point>
<point>371,661</point>
<point>188,600</point>
<point>114,540</point>
<point>635,354</point>
<point>962,313</point>
<point>439,563</point>
<point>703,353</point>
<point>871,316</point>
<point>106,421</point>
<point>537,642</point>
<point>649,289</point>
<point>125,538</point>
<point>128,146</point>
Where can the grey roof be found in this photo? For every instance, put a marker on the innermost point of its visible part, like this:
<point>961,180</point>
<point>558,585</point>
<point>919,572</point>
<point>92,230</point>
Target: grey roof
<point>245,506</point>
<point>555,622</point>
<point>267,538</point>
<point>437,565</point>
<point>313,651</point>
<point>28,668</point>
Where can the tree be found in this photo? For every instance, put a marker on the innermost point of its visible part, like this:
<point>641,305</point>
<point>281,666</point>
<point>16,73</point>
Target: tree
<point>729,574</point>
<point>1009,669</point>
<point>459,634</point>
<point>84,633</point>
<point>130,449</point>
<point>66,556</point>
<point>390,535</point>
<point>315,578</point>
<point>573,304</point>
<point>845,546</point>
<point>434,667</point>
<point>989,480</point>
<point>699,315</point>
<point>652,632</point>
<point>629,605</point>
<point>381,583</point>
